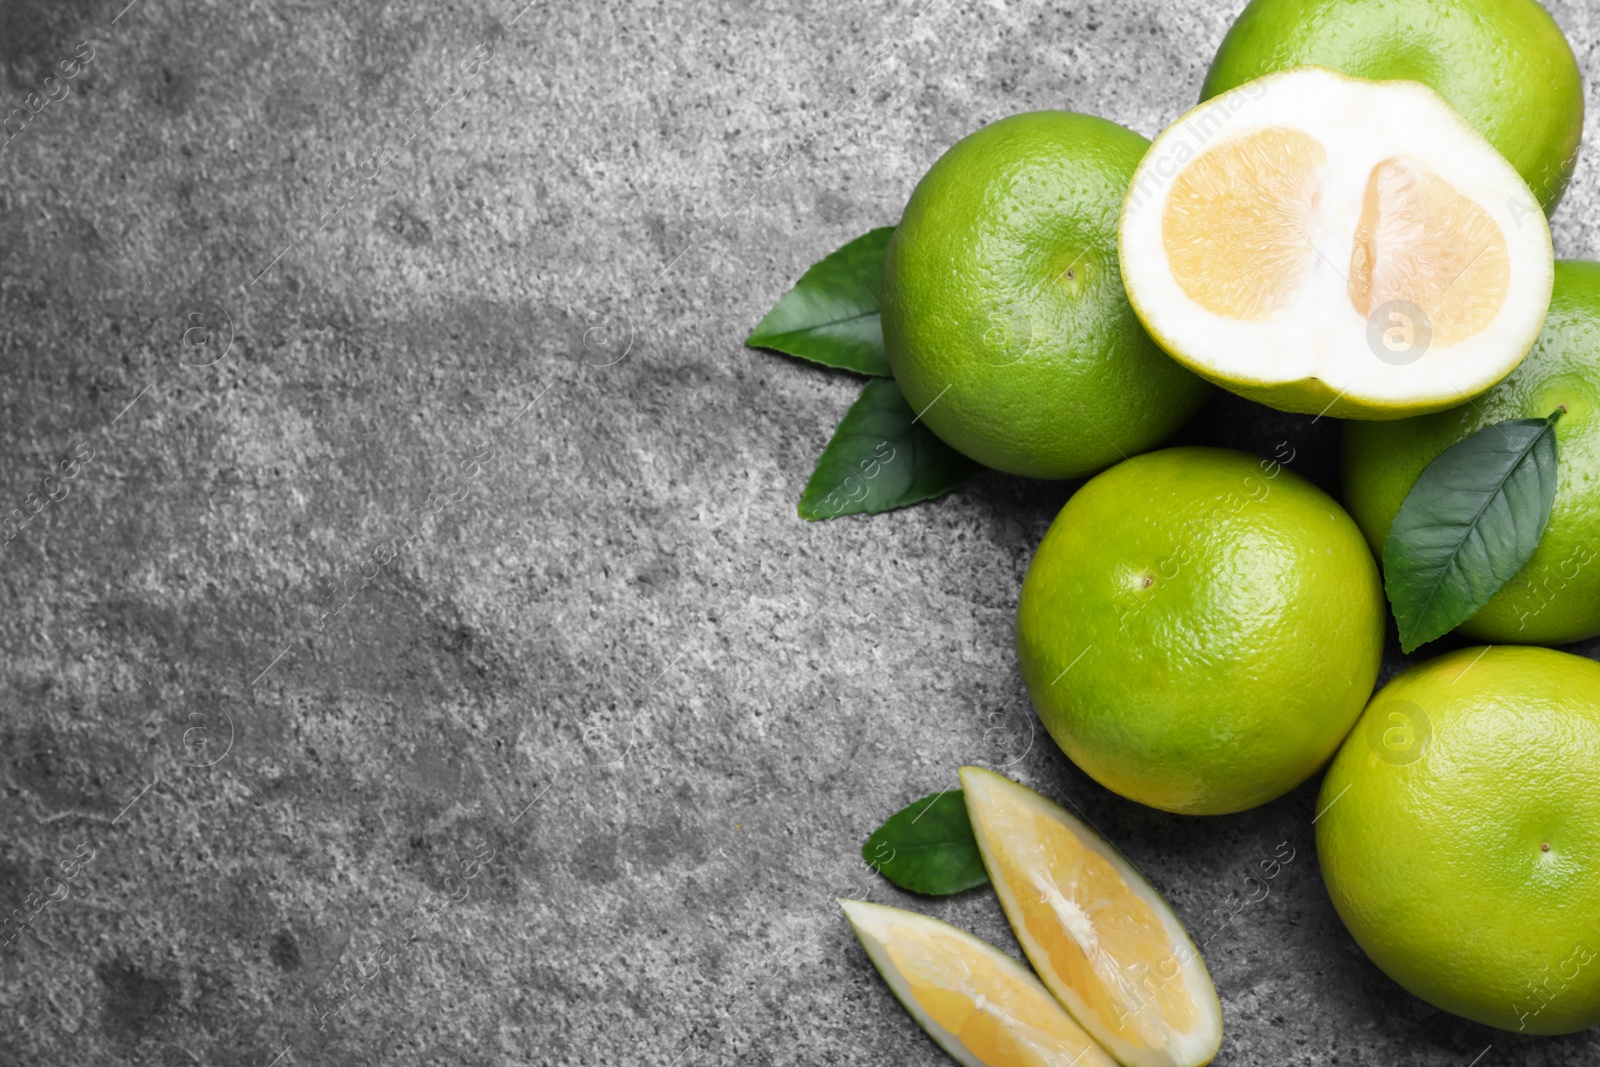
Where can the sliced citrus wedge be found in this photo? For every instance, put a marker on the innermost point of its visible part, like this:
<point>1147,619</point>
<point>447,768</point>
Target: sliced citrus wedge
<point>981,1006</point>
<point>1332,245</point>
<point>1100,936</point>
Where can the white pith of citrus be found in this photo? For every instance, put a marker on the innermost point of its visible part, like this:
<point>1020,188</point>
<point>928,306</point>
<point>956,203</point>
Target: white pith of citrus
<point>1100,936</point>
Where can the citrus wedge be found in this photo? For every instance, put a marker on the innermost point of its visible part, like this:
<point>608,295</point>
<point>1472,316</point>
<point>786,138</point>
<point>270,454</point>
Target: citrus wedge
<point>1332,245</point>
<point>1100,936</point>
<point>981,1006</point>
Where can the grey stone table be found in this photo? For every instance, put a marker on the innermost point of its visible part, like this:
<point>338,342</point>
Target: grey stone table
<point>417,657</point>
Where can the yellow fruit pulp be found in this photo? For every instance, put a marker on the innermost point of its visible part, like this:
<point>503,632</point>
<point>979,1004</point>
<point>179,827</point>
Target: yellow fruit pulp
<point>1421,241</point>
<point>998,1018</point>
<point>1235,223</point>
<point>1101,938</point>
<point>1236,230</point>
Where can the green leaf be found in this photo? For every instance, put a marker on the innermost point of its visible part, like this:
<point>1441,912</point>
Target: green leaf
<point>831,315</point>
<point>1470,522</point>
<point>881,458</point>
<point>928,847</point>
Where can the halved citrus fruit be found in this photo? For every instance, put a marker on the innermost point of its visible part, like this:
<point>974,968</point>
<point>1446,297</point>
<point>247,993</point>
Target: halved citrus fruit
<point>980,1005</point>
<point>1332,245</point>
<point>1104,941</point>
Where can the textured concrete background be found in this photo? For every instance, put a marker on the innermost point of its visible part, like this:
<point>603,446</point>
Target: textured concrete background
<point>571,769</point>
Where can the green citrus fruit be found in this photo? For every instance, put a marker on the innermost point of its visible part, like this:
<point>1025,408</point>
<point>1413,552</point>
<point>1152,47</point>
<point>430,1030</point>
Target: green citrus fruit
<point>1199,628</point>
<point>1459,836</point>
<point>1503,64</point>
<point>1003,310</point>
<point>1555,598</point>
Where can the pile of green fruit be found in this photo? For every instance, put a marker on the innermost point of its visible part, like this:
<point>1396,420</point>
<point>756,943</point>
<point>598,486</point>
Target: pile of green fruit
<point>1351,224</point>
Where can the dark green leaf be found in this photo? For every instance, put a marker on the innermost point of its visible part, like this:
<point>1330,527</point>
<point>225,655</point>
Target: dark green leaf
<point>881,458</point>
<point>831,315</point>
<point>1468,525</point>
<point>928,847</point>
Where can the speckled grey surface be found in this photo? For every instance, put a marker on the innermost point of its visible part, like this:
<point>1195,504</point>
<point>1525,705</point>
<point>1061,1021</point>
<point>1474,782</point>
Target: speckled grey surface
<point>577,768</point>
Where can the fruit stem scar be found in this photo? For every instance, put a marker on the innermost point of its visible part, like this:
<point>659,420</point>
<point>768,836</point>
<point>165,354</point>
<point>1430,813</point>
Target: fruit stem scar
<point>1545,847</point>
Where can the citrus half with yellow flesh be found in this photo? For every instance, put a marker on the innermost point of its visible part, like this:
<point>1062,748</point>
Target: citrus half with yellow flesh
<point>982,1007</point>
<point>1104,941</point>
<point>1331,245</point>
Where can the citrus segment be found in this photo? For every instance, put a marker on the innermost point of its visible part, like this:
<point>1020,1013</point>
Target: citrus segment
<point>1234,226</point>
<point>979,1004</point>
<point>1112,938</point>
<point>1099,935</point>
<point>1420,241</point>
<point>1335,246</point>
